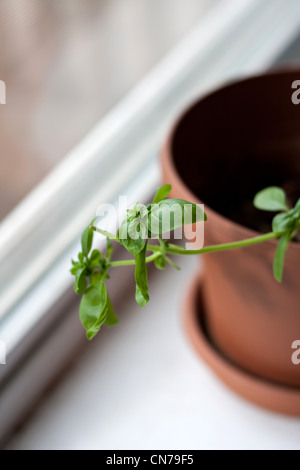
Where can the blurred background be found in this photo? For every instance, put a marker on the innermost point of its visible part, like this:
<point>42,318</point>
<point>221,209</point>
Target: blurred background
<point>65,64</point>
<point>93,87</point>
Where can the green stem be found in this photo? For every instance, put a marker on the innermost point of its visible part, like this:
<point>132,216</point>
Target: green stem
<point>175,250</point>
<point>117,264</point>
<point>104,232</point>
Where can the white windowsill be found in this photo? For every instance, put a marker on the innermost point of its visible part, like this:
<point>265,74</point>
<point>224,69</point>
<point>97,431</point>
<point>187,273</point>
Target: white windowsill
<point>141,385</point>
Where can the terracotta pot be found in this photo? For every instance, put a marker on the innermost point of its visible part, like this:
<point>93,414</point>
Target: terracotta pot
<point>229,145</point>
<point>263,393</point>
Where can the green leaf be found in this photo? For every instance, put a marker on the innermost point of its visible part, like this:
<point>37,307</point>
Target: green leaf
<point>297,215</point>
<point>133,246</point>
<point>141,278</point>
<point>173,213</point>
<point>111,318</point>
<point>75,268</point>
<point>272,199</point>
<point>162,193</point>
<point>160,263</point>
<point>96,278</point>
<point>288,222</point>
<point>93,309</point>
<point>134,229</point>
<point>95,257</point>
<point>87,241</point>
<point>138,229</point>
<point>80,281</point>
<point>282,223</point>
<point>279,258</point>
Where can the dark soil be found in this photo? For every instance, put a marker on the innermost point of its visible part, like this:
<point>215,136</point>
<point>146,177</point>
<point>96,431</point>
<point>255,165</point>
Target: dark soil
<point>243,211</point>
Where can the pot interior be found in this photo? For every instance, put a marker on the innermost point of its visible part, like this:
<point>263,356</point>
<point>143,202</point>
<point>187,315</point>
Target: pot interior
<point>239,140</point>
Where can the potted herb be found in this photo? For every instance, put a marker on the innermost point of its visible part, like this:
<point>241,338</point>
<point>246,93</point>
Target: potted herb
<point>222,151</point>
<point>242,318</point>
<point>91,269</point>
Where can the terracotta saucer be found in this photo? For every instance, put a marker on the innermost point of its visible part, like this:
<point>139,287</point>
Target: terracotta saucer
<point>265,394</point>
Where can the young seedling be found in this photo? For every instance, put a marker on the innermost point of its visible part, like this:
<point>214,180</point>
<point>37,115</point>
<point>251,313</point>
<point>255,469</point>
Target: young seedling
<point>145,222</point>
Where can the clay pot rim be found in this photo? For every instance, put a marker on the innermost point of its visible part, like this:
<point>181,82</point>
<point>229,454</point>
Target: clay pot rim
<point>167,159</point>
<point>268,395</point>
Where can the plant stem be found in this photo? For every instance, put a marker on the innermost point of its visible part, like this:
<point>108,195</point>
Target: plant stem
<point>175,250</point>
<point>104,232</point>
<point>117,264</point>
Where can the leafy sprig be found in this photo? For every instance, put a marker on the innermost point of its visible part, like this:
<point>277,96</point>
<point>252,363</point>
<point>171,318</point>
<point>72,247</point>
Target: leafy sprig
<point>287,223</point>
<point>145,222</point>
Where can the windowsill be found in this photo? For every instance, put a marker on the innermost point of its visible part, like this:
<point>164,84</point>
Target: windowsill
<point>141,385</point>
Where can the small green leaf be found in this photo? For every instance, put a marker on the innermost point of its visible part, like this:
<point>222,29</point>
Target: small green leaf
<point>111,318</point>
<point>137,229</point>
<point>93,309</point>
<point>160,263</point>
<point>297,215</point>
<point>141,278</point>
<point>134,229</point>
<point>173,213</point>
<point>95,258</point>
<point>133,246</point>
<point>279,258</point>
<point>87,241</point>
<point>282,223</point>
<point>272,199</point>
<point>162,193</point>
<point>288,222</point>
<point>80,281</point>
<point>139,211</point>
<point>75,268</point>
